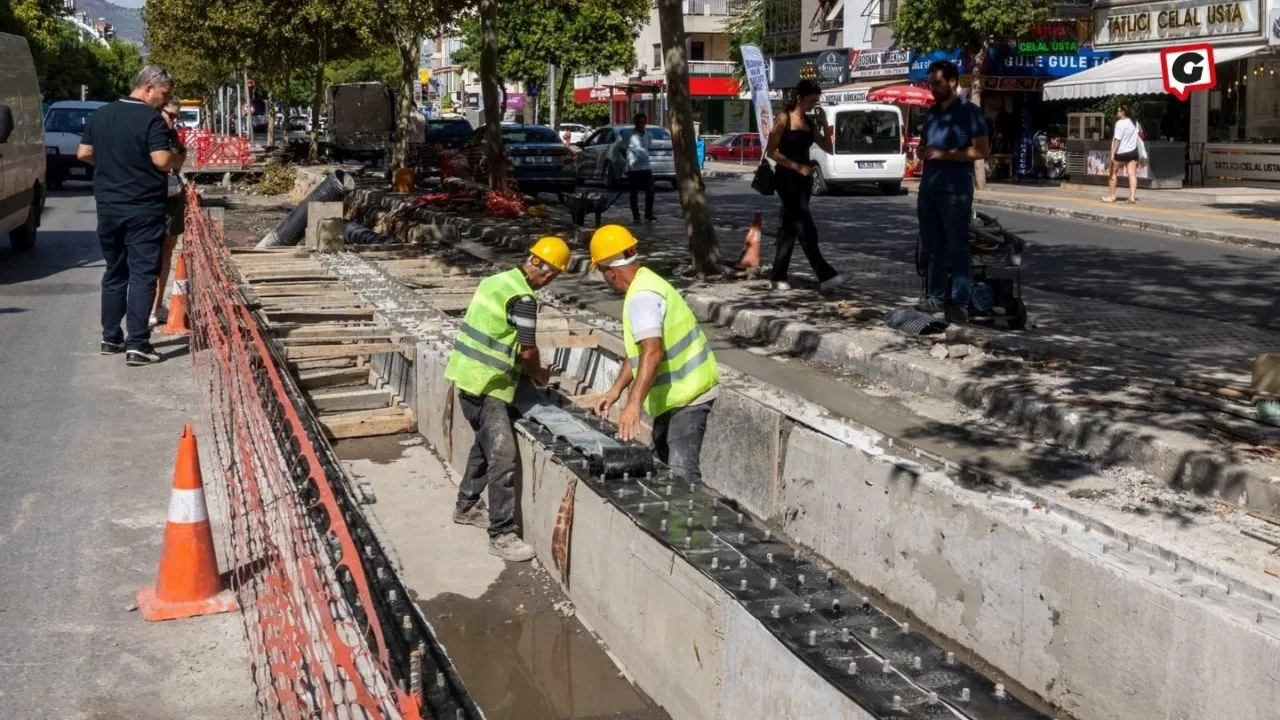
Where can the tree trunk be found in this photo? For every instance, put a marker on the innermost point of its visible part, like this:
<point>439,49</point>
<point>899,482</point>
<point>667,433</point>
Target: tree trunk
<point>271,122</point>
<point>975,97</point>
<point>317,102</point>
<point>490,89</point>
<point>562,88</point>
<point>703,247</point>
<point>409,48</point>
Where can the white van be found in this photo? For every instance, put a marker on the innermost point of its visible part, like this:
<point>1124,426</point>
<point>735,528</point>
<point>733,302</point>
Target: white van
<point>22,162</point>
<point>869,148</point>
<point>64,124</point>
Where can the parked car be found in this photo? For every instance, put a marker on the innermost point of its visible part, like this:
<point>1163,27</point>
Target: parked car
<point>22,148</point>
<point>735,147</point>
<point>869,145</point>
<point>538,161</point>
<point>64,124</point>
<point>577,133</point>
<point>603,158</point>
<point>449,133</point>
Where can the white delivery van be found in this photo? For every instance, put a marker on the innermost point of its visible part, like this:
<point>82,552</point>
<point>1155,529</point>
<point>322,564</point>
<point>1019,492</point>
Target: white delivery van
<point>64,124</point>
<point>22,161</point>
<point>869,149</point>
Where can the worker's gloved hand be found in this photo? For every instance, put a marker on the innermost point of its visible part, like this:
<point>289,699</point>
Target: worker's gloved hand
<point>629,423</point>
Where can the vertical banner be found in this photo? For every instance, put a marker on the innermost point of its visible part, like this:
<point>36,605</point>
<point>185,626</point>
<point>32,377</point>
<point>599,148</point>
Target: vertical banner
<point>758,80</point>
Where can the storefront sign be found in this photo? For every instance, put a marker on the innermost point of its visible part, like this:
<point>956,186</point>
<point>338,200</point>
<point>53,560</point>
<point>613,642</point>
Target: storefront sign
<point>1014,84</point>
<point>832,67</point>
<point>920,62</point>
<point>878,63</point>
<point>1242,166</point>
<point>856,95</point>
<point>1007,63</point>
<point>1156,24</point>
<point>1056,38</point>
<point>589,95</point>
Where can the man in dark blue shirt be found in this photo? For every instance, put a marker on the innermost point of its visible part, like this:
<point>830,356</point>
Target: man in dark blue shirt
<point>127,142</point>
<point>955,136</point>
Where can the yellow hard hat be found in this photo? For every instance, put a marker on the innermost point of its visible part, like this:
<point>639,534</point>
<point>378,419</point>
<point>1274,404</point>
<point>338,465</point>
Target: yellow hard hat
<point>610,240</point>
<point>553,251</point>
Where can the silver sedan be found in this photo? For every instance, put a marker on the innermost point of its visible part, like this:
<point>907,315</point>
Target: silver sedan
<point>603,157</point>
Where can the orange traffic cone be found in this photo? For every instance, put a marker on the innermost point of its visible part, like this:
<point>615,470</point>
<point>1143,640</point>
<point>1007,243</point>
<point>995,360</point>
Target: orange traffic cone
<point>178,324</point>
<point>187,583</point>
<point>751,252</point>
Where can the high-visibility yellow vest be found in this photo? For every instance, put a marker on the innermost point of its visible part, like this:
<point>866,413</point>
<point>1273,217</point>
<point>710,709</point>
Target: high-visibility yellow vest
<point>688,367</point>
<point>486,356</point>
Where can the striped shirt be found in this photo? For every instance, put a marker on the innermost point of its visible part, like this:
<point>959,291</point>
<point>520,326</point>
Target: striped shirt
<point>522,313</point>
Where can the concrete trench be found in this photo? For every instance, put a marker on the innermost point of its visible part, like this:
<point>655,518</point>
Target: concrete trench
<point>1099,622</point>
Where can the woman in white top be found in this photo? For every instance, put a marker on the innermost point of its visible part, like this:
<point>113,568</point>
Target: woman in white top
<point>1124,154</point>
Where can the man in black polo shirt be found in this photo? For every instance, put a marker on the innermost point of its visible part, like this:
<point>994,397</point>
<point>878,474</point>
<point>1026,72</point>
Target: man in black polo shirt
<point>127,141</point>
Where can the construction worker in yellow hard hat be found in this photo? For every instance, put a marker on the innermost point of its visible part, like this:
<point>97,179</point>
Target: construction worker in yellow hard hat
<point>496,344</point>
<point>669,367</point>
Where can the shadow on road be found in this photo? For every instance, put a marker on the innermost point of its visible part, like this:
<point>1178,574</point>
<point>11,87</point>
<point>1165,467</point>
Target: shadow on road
<point>55,251</point>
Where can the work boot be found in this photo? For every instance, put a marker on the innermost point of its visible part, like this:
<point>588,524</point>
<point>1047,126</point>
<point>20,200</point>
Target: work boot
<point>930,305</point>
<point>511,548</point>
<point>477,515</point>
<point>957,315</point>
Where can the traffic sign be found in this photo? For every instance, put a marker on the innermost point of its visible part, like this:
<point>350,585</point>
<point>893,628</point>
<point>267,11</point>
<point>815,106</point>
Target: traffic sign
<point>1188,68</point>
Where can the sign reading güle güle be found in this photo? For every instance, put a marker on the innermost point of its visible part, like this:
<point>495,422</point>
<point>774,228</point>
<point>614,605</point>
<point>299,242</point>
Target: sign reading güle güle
<point>1154,24</point>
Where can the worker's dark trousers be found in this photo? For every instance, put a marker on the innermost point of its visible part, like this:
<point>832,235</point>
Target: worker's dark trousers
<point>677,439</point>
<point>492,462</point>
<point>131,245</point>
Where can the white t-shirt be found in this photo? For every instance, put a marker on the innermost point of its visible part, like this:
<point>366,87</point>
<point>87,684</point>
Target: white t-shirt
<point>638,151</point>
<point>1126,136</point>
<point>645,312</point>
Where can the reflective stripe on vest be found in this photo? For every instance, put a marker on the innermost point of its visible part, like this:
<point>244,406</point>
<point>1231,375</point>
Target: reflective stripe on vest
<point>688,367</point>
<point>485,354</point>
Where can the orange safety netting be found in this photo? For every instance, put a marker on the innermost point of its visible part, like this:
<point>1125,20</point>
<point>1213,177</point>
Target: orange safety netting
<point>316,636</point>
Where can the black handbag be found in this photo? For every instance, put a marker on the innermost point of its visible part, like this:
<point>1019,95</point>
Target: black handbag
<point>763,180</point>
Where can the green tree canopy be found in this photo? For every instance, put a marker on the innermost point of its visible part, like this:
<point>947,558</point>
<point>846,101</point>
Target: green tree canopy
<point>973,25</point>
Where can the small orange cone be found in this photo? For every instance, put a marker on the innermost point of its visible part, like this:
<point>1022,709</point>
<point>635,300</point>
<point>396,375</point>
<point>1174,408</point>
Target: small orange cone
<point>187,583</point>
<point>751,252</point>
<point>178,324</point>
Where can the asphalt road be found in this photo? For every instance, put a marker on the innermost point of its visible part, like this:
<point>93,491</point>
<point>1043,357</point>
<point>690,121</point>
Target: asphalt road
<point>1065,256</point>
<point>86,463</point>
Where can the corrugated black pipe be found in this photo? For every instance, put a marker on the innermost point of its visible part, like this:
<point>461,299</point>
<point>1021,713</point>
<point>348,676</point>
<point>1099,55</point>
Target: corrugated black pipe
<point>357,234</point>
<point>290,230</point>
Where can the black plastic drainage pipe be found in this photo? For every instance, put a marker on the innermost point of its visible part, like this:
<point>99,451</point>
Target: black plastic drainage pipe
<point>357,234</point>
<point>290,230</point>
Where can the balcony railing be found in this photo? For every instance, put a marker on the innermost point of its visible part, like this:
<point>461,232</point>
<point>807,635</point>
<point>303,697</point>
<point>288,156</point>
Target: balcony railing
<point>709,7</point>
<point>710,67</point>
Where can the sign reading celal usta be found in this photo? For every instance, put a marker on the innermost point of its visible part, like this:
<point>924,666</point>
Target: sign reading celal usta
<point>1156,24</point>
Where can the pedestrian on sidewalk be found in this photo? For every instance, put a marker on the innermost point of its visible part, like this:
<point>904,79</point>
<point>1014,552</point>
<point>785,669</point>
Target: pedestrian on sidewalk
<point>792,135</point>
<point>639,171</point>
<point>954,138</point>
<point>174,213</point>
<point>1125,139</point>
<point>128,143</point>
<point>669,366</point>
<point>496,344</point>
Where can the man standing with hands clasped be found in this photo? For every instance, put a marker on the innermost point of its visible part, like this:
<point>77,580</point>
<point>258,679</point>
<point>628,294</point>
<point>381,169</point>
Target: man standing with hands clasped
<point>955,137</point>
<point>670,368</point>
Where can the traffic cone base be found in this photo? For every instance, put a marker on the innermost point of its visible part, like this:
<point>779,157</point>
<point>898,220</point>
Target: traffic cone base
<point>177,323</point>
<point>187,582</point>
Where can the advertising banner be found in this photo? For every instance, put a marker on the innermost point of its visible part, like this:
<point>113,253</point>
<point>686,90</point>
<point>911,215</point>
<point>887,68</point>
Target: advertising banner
<point>758,80</point>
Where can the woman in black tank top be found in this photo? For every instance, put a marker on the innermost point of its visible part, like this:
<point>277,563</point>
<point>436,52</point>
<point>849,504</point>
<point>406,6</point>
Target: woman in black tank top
<point>789,142</point>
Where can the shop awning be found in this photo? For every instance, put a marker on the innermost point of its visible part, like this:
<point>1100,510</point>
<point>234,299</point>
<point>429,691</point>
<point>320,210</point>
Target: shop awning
<point>1132,74</point>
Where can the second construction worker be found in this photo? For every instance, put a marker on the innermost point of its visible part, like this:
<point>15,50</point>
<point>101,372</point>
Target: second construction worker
<point>670,368</point>
<point>496,345</point>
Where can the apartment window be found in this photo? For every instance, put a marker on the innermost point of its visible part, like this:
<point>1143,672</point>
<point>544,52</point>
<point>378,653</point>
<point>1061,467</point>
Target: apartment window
<point>657,56</point>
<point>888,10</point>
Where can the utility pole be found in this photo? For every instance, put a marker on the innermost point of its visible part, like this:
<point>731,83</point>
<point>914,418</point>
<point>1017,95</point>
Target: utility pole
<point>239,105</point>
<point>551,96</point>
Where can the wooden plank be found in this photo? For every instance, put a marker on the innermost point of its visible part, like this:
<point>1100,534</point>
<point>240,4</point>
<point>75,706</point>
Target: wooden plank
<point>269,279</point>
<point>317,352</point>
<point>292,289</point>
<point>369,423</point>
<point>1266,535</point>
<point>348,400</point>
<point>298,316</point>
<point>1273,570</point>
<point>333,378</point>
<point>336,338</point>
<point>325,363</point>
<point>1265,516</point>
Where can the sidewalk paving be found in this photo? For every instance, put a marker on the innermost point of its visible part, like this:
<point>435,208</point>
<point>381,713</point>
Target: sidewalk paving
<point>1247,216</point>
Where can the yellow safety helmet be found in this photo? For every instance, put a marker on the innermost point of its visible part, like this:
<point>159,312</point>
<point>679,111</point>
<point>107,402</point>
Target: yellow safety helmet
<point>610,240</point>
<point>552,251</point>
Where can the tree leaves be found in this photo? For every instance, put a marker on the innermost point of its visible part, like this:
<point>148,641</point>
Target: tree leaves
<point>926,25</point>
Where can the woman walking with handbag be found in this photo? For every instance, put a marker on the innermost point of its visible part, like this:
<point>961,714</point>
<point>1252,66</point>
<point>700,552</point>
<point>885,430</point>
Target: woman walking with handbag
<point>792,135</point>
<point>1126,151</point>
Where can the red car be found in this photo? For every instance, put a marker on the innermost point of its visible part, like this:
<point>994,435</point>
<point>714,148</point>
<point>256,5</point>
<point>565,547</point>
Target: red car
<point>735,147</point>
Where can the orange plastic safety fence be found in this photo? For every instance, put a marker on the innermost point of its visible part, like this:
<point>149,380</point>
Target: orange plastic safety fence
<point>316,636</point>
